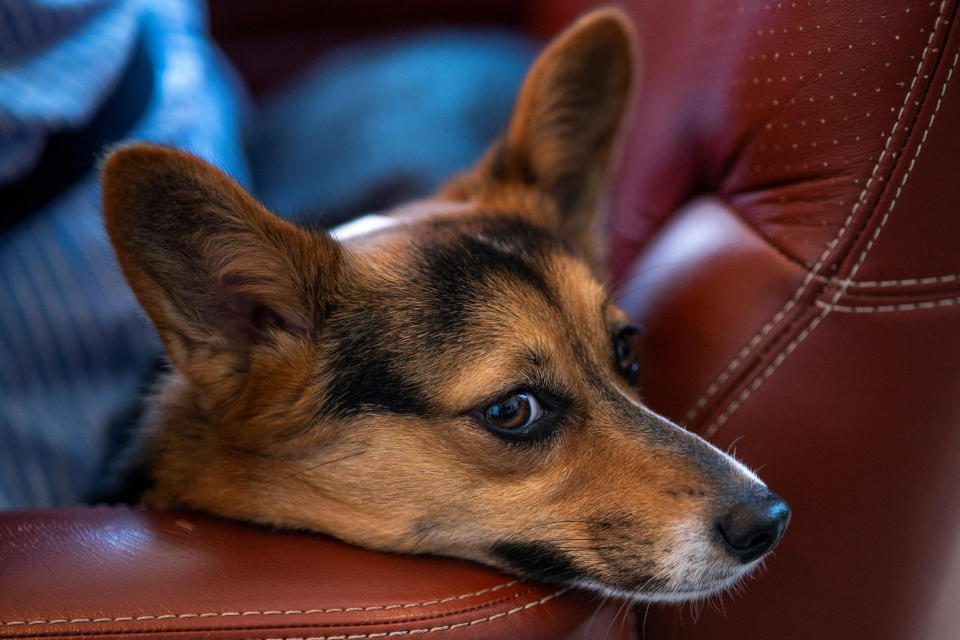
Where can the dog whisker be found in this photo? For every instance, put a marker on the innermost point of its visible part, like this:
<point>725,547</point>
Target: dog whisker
<point>600,607</point>
<point>424,532</point>
<point>314,467</point>
<point>590,539</point>
<point>604,598</point>
<point>643,624</point>
<point>588,548</point>
<point>732,447</point>
<point>555,522</point>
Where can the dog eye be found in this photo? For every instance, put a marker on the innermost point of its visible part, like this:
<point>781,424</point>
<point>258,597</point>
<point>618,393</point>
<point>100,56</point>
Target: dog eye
<point>514,413</point>
<point>627,353</point>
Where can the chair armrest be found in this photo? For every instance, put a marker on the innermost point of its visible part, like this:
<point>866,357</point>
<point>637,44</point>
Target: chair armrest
<point>113,571</point>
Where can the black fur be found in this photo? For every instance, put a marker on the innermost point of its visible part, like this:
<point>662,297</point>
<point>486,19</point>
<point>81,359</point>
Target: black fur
<point>458,271</point>
<point>538,561</point>
<point>122,476</point>
<point>366,372</point>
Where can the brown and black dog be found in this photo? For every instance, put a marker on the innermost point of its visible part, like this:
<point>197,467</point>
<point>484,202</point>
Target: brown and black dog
<point>452,379</point>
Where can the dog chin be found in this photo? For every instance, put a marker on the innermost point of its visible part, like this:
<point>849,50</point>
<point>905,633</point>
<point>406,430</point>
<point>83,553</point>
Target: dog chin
<point>671,595</point>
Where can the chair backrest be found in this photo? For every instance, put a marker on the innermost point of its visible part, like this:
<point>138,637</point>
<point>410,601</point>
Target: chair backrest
<point>787,228</point>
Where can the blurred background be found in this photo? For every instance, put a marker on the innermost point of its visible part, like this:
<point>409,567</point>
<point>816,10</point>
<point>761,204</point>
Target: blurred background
<point>323,110</point>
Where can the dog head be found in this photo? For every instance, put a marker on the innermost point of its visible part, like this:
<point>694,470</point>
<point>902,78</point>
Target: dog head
<point>456,381</point>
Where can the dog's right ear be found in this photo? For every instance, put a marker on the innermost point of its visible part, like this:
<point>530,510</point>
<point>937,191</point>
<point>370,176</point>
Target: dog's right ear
<point>217,273</point>
<point>562,135</point>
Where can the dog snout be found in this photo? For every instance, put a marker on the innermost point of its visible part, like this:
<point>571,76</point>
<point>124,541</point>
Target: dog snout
<point>753,525</point>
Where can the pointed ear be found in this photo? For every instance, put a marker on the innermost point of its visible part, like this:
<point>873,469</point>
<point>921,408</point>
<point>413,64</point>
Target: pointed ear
<point>218,274</point>
<point>567,117</point>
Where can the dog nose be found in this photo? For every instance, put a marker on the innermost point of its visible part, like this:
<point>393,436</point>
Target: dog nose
<point>754,526</point>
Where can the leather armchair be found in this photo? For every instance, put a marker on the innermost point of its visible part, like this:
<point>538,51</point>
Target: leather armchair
<point>786,229</point>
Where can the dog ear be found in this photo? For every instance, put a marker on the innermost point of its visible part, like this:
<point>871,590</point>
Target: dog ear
<point>565,123</point>
<point>217,273</point>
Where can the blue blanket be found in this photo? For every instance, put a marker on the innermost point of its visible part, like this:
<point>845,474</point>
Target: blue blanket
<point>73,343</point>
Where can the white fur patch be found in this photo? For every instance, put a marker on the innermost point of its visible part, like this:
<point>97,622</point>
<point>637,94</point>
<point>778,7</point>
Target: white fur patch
<point>362,226</point>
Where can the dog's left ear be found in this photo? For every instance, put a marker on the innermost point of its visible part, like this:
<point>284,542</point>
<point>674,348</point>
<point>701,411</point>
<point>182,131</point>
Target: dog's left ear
<point>219,275</point>
<point>565,123</point>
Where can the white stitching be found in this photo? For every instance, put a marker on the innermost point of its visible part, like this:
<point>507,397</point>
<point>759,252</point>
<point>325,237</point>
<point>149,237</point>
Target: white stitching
<point>747,391</point>
<point>907,282</point>
<point>813,273</point>
<point>808,278</point>
<point>289,612</point>
<point>886,308</point>
<point>446,627</point>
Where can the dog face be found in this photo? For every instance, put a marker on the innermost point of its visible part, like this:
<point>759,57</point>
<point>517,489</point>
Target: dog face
<point>455,382</point>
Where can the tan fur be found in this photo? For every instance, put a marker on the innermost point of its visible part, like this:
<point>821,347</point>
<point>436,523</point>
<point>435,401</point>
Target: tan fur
<point>547,139</point>
<point>249,306</point>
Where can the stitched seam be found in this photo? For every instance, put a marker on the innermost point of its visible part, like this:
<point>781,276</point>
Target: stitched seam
<point>446,627</point>
<point>749,348</point>
<point>263,626</point>
<point>885,308</point>
<point>783,355</point>
<point>872,296</point>
<point>278,612</point>
<point>906,282</point>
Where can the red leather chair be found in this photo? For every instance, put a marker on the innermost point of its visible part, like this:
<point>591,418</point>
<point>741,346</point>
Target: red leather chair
<point>786,229</point>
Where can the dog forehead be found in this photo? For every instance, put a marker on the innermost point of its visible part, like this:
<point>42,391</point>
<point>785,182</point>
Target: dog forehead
<point>501,272</point>
<point>452,293</point>
<point>488,255</point>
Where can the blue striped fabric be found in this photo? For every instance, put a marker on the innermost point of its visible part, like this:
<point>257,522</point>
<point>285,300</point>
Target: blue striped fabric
<point>73,343</point>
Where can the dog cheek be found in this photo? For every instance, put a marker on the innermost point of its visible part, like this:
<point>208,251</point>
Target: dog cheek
<point>537,561</point>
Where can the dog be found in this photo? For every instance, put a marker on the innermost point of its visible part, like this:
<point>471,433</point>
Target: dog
<point>450,378</point>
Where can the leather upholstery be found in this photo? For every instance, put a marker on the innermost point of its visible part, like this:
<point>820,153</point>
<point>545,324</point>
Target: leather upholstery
<point>795,160</point>
<point>113,572</point>
<point>803,306</point>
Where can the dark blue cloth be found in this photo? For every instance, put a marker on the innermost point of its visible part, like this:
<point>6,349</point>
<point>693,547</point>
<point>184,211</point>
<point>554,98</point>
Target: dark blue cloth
<point>378,123</point>
<point>73,343</point>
